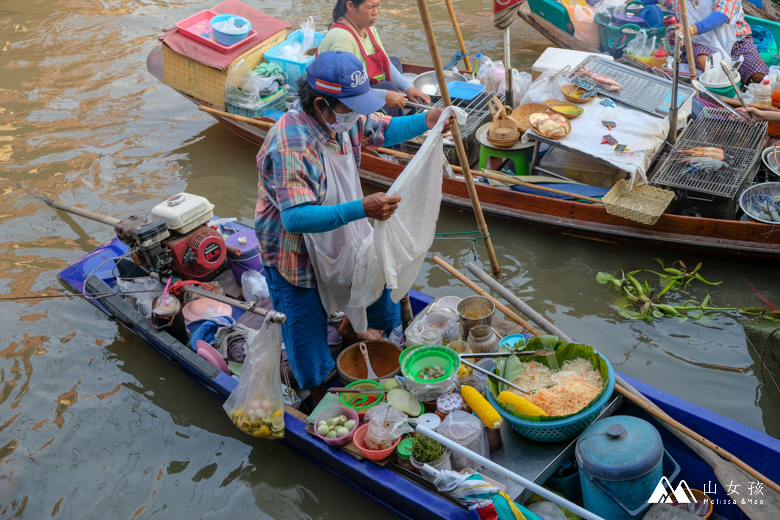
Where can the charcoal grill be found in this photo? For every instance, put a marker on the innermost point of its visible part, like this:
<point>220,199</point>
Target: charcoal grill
<point>713,194</point>
<point>478,114</point>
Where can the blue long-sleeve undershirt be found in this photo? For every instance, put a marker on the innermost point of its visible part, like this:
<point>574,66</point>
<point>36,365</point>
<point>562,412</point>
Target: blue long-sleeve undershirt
<point>313,218</point>
<point>712,21</point>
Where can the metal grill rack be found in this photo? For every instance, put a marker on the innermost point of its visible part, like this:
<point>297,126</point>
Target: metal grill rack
<point>640,89</point>
<point>478,114</point>
<point>713,191</point>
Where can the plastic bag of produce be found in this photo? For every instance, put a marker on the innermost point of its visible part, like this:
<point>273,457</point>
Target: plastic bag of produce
<point>583,19</point>
<point>307,28</point>
<point>468,431</point>
<point>256,404</point>
<point>520,83</point>
<point>547,86</point>
<point>246,89</point>
<point>491,74</point>
<point>385,425</point>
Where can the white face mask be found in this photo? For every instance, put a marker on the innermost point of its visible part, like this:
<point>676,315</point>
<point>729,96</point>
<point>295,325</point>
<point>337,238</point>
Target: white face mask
<point>343,121</point>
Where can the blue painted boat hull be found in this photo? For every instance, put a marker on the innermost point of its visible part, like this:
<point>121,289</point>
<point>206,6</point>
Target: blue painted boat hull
<point>394,492</point>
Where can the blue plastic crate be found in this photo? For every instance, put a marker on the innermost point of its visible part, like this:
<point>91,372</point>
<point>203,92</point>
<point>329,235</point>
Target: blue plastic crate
<point>273,102</point>
<point>292,69</point>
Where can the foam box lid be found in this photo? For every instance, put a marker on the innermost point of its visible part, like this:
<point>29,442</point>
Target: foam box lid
<point>554,59</point>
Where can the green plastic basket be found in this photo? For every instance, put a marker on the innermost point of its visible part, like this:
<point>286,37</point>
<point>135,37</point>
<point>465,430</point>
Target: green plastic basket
<point>346,398</point>
<point>422,357</point>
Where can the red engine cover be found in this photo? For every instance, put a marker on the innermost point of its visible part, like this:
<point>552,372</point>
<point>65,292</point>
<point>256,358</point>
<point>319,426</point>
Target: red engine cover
<point>198,253</point>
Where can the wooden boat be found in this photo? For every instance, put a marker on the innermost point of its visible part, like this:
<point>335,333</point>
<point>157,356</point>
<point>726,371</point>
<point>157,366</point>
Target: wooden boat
<point>388,486</point>
<point>755,240</point>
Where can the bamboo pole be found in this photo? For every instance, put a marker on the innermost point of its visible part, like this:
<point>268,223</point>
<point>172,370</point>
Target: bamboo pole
<point>459,36</point>
<point>464,162</point>
<point>687,38</point>
<point>477,289</point>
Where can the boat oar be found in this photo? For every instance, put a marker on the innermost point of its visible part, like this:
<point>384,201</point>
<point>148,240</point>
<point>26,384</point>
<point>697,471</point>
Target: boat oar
<point>491,374</point>
<point>514,180</point>
<point>501,470</point>
<point>517,302</point>
<point>430,37</point>
<point>477,289</point>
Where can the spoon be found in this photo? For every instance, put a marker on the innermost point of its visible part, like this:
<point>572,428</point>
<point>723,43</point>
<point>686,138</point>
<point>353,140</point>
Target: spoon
<point>369,371</point>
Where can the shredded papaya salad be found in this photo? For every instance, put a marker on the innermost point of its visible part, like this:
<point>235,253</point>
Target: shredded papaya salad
<point>560,392</point>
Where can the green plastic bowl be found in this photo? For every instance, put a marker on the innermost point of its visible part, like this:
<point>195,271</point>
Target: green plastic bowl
<point>428,355</point>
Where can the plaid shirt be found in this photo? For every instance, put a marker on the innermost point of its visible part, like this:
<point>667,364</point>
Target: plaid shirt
<point>728,8</point>
<point>292,173</point>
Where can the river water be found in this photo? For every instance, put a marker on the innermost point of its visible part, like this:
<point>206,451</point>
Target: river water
<point>94,425</point>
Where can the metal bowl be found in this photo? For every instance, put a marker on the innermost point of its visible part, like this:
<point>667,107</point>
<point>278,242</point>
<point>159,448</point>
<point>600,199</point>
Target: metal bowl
<point>429,78</point>
<point>773,169</point>
<point>766,189</point>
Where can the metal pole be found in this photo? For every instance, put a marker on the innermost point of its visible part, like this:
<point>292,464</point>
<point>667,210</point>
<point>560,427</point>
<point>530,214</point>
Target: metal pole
<point>491,374</point>
<point>464,162</point>
<point>509,96</point>
<point>672,137</point>
<point>536,488</point>
<point>277,317</point>
<point>97,217</point>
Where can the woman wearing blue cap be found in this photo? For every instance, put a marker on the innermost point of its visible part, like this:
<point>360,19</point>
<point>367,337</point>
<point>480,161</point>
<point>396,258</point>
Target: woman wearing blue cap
<point>311,214</point>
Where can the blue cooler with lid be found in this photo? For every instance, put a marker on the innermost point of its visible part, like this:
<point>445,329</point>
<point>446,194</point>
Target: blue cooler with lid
<point>621,463</point>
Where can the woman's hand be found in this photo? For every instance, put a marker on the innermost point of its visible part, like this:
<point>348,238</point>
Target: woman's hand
<point>394,99</point>
<point>416,96</point>
<point>760,115</point>
<point>379,206</point>
<point>433,115</point>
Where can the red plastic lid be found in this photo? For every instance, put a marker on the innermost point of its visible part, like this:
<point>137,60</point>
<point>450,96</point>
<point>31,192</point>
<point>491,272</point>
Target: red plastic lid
<point>660,53</point>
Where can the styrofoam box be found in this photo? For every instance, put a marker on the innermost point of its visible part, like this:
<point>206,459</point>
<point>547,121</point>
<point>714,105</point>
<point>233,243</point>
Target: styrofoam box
<point>554,59</point>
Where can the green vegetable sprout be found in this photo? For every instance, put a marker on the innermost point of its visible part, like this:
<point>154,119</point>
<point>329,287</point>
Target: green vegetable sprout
<point>426,450</point>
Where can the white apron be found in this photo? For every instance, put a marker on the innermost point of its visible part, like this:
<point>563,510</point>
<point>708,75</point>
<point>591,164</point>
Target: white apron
<point>721,39</point>
<point>333,253</point>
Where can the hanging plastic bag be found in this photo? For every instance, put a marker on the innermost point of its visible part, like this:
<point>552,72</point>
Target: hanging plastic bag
<point>547,86</point>
<point>246,89</point>
<point>385,425</point>
<point>609,7</point>
<point>491,74</point>
<point>520,83</point>
<point>143,300</point>
<point>307,28</point>
<point>393,255</point>
<point>468,431</point>
<point>583,19</point>
<point>256,404</point>
<point>254,286</point>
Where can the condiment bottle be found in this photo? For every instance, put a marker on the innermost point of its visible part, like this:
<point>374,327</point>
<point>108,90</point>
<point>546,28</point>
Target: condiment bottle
<point>763,96</point>
<point>659,57</point>
<point>776,95</point>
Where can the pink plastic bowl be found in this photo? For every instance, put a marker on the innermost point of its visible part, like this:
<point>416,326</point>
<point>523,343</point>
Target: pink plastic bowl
<point>335,411</point>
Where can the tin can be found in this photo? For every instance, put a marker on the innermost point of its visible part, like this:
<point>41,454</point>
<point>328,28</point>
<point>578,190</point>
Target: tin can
<point>669,19</point>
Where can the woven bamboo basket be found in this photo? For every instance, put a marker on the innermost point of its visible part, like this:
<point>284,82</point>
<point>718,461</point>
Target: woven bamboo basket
<point>568,90</point>
<point>643,204</point>
<point>523,112</point>
<point>547,136</point>
<point>502,132</point>
<point>556,105</point>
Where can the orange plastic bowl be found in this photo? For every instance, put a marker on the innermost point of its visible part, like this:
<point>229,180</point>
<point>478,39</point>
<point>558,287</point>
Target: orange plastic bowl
<point>360,435</point>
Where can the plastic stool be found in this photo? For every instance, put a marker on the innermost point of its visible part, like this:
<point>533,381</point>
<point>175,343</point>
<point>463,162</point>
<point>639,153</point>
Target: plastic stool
<point>520,156</point>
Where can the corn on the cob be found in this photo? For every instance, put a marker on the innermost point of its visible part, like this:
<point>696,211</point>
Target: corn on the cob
<point>523,406</point>
<point>481,407</point>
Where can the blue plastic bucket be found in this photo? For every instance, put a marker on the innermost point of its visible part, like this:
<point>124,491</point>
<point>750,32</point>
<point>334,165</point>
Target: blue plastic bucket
<point>230,39</point>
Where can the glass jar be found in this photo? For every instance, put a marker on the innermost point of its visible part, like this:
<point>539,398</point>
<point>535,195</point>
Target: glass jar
<point>472,381</point>
<point>483,340</point>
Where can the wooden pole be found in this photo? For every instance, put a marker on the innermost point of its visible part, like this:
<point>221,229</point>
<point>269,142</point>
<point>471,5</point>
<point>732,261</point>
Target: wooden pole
<point>462,44</point>
<point>517,182</point>
<point>464,162</point>
<point>477,289</point>
<point>687,38</point>
<point>509,92</point>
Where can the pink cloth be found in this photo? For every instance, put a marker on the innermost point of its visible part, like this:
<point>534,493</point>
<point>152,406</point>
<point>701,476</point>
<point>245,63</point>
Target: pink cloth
<point>265,25</point>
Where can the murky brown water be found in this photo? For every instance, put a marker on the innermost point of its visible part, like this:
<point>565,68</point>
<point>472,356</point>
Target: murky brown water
<point>93,424</point>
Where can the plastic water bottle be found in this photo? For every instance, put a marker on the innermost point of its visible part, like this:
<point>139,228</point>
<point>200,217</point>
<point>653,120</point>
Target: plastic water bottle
<point>764,95</point>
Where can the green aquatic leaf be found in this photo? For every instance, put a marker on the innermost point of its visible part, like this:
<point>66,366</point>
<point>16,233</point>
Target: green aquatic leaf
<point>699,277</point>
<point>604,278</point>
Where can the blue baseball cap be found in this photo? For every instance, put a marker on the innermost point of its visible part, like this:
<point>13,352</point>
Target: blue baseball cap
<point>341,75</point>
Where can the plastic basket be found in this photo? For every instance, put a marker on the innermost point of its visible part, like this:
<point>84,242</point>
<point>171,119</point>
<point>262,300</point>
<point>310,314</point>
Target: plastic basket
<point>643,204</point>
<point>292,69</point>
<point>561,429</point>
<point>359,437</point>
<point>335,411</point>
<point>272,102</point>
<point>361,383</point>
<point>429,355</point>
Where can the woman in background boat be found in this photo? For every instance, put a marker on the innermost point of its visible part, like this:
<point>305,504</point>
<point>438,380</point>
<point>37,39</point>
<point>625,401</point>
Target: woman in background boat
<point>720,26</point>
<point>317,144</point>
<point>773,116</point>
<point>353,31</point>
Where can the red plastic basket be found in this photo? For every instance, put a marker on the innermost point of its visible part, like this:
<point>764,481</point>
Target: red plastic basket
<point>360,435</point>
<point>335,411</point>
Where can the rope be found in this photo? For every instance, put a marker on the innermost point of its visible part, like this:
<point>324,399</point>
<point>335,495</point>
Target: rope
<point>444,236</point>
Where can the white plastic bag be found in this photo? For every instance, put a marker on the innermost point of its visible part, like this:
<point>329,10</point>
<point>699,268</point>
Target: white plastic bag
<point>143,300</point>
<point>547,86</point>
<point>641,46</point>
<point>611,6</point>
<point>546,510</point>
<point>246,89</point>
<point>491,74</point>
<point>520,83</point>
<point>253,286</point>
<point>256,404</point>
<point>583,19</point>
<point>229,27</point>
<point>468,431</point>
<point>307,28</point>
<point>393,254</point>
<point>385,425</point>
